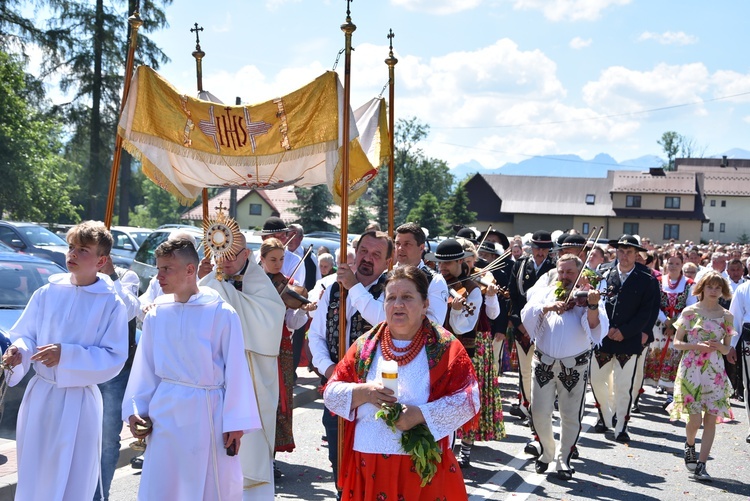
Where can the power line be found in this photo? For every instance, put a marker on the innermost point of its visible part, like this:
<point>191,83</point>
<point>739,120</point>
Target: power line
<point>599,117</point>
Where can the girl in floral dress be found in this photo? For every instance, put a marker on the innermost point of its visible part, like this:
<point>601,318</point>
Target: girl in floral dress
<point>702,389</point>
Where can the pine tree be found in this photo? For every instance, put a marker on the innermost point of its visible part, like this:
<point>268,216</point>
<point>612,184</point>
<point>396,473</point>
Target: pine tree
<point>360,218</point>
<point>313,207</point>
<point>426,214</point>
<point>455,210</point>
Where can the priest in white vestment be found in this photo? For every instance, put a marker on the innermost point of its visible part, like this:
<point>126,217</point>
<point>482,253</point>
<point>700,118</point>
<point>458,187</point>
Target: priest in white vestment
<point>75,332</point>
<point>261,311</point>
<point>190,379</point>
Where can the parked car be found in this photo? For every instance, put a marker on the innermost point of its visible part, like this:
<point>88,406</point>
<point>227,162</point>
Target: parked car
<point>35,240</point>
<point>7,249</point>
<point>144,263</point>
<point>127,241</point>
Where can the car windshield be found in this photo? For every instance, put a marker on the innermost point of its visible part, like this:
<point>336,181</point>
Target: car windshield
<point>19,280</point>
<point>41,237</point>
<point>139,236</point>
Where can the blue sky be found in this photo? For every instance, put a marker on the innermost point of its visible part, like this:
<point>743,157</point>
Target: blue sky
<point>496,80</point>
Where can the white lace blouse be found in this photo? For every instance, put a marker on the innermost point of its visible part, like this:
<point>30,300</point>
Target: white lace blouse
<point>442,416</point>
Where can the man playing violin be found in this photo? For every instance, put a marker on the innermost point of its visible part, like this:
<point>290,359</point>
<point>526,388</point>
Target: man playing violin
<point>563,328</point>
<point>526,272</point>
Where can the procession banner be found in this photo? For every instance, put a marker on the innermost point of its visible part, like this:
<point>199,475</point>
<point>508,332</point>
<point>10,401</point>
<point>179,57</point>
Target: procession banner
<point>186,144</point>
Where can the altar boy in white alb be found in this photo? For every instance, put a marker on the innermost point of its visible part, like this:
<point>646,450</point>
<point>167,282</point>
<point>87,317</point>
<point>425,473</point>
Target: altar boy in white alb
<point>75,332</point>
<point>190,382</point>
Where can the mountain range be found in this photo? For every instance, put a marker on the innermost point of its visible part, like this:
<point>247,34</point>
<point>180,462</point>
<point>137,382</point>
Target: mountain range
<point>573,165</point>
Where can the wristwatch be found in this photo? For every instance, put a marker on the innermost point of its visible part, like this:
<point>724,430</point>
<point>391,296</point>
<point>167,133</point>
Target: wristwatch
<point>593,306</point>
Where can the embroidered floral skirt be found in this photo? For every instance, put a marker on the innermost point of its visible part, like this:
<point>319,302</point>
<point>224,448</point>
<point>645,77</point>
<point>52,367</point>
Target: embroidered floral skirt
<point>668,361</point>
<point>383,477</point>
<point>284,434</point>
<point>491,424</point>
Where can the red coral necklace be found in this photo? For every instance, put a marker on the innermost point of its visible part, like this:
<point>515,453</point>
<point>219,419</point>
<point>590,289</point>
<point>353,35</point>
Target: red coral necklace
<point>406,354</point>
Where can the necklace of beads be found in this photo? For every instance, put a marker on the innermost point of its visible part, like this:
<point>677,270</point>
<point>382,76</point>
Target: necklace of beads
<point>406,354</point>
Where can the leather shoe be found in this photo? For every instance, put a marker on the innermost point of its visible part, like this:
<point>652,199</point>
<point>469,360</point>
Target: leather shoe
<point>575,454</point>
<point>565,474</point>
<point>600,427</point>
<point>532,448</point>
<point>515,410</point>
<point>623,437</point>
<point>748,439</point>
<point>540,466</point>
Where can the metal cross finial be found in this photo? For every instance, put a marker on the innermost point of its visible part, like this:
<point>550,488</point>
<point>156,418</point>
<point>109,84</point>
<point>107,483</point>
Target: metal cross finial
<point>220,209</point>
<point>348,12</point>
<point>197,37</point>
<point>390,39</point>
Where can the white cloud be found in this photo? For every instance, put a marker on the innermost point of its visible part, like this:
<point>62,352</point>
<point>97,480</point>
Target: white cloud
<point>669,38</point>
<point>622,90</point>
<point>731,83</point>
<point>569,10</point>
<point>580,43</point>
<point>439,7</point>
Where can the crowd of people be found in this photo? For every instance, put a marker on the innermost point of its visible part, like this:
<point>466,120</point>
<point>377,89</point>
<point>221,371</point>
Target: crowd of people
<point>209,385</point>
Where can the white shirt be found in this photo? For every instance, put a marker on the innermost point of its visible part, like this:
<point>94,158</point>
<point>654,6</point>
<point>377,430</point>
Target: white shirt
<point>565,335</point>
<point>126,288</point>
<point>316,336</point>
<point>300,252</point>
<point>459,322</point>
<point>740,309</point>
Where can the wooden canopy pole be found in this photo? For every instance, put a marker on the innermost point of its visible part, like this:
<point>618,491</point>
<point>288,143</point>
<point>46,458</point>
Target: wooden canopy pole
<point>135,23</point>
<point>198,54</point>
<point>348,28</point>
<point>391,62</point>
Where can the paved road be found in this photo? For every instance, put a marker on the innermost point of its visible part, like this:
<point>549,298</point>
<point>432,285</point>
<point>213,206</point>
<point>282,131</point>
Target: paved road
<point>650,468</point>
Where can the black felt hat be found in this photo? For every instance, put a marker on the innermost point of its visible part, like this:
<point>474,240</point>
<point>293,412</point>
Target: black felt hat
<point>274,225</point>
<point>503,239</point>
<point>627,241</point>
<point>573,241</point>
<point>490,247</point>
<point>541,239</point>
<point>448,250</point>
<point>468,234</point>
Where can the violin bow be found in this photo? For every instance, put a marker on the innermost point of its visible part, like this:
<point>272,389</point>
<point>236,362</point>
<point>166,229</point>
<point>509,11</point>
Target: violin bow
<point>586,262</point>
<point>486,234</point>
<point>496,264</point>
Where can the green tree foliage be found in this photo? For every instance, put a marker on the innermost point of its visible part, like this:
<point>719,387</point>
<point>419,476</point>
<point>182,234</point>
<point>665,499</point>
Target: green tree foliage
<point>455,210</point>
<point>32,169</point>
<point>159,207</point>
<point>426,213</point>
<point>359,218</point>
<point>670,142</point>
<point>313,207</point>
<point>85,45</point>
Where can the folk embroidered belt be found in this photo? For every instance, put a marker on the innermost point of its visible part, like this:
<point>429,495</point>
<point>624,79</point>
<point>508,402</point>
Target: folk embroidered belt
<point>568,362</point>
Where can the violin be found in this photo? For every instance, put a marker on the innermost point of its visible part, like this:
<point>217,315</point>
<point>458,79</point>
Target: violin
<point>457,291</point>
<point>293,296</point>
<point>489,279</point>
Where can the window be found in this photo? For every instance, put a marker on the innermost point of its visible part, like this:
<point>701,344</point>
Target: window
<point>590,199</point>
<point>630,228</point>
<point>585,228</point>
<point>710,226</point>
<point>713,203</point>
<point>256,209</point>
<point>723,203</point>
<point>671,202</point>
<point>632,201</point>
<point>722,227</point>
<point>671,231</point>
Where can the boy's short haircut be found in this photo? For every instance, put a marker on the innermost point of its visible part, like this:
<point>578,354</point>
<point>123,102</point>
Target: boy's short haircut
<point>91,233</point>
<point>181,248</point>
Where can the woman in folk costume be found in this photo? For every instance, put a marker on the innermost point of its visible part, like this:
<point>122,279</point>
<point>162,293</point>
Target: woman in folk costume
<point>676,294</point>
<point>490,425</point>
<point>272,260</point>
<point>376,464</point>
